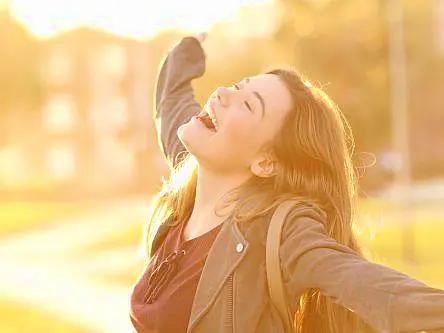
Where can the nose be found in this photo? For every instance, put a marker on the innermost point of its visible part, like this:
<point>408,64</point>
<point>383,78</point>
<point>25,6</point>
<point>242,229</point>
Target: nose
<point>223,95</point>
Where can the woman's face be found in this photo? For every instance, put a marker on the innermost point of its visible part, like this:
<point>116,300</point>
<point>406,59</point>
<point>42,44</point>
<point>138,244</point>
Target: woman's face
<point>248,116</point>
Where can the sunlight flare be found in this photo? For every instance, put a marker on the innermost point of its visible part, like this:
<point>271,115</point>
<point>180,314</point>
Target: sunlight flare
<point>141,19</point>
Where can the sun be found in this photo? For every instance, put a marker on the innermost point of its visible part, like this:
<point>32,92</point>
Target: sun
<point>136,19</point>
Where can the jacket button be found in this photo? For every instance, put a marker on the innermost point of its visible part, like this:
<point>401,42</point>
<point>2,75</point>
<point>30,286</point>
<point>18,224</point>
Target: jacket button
<point>239,247</point>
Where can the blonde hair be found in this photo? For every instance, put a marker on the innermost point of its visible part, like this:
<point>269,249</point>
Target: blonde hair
<point>314,149</point>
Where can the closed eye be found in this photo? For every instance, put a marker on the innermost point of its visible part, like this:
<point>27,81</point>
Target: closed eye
<point>246,103</point>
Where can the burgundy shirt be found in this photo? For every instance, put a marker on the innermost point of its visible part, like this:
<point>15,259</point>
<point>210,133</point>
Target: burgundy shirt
<point>162,297</point>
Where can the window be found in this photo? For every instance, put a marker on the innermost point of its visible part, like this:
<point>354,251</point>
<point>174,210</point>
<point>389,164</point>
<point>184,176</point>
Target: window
<point>110,62</point>
<point>59,113</point>
<point>110,115</point>
<point>60,161</point>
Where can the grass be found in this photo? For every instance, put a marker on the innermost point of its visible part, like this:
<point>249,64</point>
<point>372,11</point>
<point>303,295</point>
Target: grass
<point>19,216</point>
<point>386,247</point>
<point>131,236</point>
<point>18,318</point>
<point>16,217</point>
<point>382,233</point>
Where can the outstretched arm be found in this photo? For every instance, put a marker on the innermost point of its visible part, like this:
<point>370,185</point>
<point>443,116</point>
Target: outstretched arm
<point>384,298</point>
<point>175,103</point>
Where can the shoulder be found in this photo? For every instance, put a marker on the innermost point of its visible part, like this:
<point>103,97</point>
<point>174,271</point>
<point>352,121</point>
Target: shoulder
<point>305,223</point>
<point>304,211</point>
<point>305,230</point>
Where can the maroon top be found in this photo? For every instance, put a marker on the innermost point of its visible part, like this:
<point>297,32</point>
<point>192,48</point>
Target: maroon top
<point>162,297</point>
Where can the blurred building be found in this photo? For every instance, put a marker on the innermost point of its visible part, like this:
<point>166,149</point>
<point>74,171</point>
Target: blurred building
<point>96,114</point>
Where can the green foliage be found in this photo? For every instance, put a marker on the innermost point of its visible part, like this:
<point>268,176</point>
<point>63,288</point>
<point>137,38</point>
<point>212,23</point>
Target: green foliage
<point>343,47</point>
<point>386,248</point>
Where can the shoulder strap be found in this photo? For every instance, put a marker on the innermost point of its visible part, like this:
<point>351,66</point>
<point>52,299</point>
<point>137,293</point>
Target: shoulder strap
<point>272,259</point>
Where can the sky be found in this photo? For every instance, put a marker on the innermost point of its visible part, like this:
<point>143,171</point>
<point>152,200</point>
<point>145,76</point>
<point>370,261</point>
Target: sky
<point>129,18</point>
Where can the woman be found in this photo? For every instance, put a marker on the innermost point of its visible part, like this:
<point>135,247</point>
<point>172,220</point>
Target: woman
<point>266,139</point>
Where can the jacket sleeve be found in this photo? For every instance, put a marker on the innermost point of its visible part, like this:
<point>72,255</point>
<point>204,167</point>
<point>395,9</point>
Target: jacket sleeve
<point>174,97</point>
<point>386,299</point>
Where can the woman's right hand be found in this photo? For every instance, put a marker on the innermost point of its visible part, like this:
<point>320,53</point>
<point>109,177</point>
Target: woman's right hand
<point>201,37</point>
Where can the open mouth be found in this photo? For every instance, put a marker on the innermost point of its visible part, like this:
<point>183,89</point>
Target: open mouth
<point>206,120</point>
<point>208,117</point>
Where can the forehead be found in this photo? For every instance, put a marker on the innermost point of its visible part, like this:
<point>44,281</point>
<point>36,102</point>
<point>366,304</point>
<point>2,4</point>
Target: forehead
<point>276,96</point>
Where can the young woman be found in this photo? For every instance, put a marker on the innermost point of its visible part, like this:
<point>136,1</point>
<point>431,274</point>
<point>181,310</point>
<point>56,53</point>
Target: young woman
<point>268,138</point>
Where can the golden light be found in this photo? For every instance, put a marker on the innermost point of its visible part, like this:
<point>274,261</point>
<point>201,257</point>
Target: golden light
<point>136,19</point>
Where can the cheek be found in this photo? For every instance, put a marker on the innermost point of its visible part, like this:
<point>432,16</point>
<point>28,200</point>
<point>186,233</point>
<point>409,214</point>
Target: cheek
<point>241,135</point>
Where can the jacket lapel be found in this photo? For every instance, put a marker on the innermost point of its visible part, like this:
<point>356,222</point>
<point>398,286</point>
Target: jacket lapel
<point>227,251</point>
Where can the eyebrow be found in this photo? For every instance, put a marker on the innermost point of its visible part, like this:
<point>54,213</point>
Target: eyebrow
<point>261,99</point>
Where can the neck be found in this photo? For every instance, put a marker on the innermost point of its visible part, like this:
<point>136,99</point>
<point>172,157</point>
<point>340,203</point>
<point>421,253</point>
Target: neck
<point>211,187</point>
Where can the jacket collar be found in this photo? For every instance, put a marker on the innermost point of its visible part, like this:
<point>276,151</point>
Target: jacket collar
<point>226,253</point>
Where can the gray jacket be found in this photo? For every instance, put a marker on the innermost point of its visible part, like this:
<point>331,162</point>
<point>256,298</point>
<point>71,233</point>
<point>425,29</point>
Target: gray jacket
<point>232,294</point>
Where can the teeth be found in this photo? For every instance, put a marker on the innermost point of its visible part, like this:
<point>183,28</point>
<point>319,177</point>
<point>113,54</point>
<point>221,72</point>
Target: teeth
<point>214,123</point>
<point>212,117</point>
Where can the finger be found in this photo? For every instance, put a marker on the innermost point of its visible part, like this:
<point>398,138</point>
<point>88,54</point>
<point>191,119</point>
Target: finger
<point>201,36</point>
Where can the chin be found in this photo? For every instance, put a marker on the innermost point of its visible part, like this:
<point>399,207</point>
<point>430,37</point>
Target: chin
<point>195,147</point>
<point>191,142</point>
<point>193,136</point>
<point>187,136</point>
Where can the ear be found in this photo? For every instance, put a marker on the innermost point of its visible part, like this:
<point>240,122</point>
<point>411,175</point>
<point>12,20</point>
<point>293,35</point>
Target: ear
<point>264,166</point>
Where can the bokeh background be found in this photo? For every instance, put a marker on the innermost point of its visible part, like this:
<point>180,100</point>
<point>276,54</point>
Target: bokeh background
<point>79,159</point>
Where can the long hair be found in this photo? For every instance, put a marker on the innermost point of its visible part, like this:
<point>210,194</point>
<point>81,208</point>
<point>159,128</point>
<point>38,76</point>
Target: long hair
<point>314,148</point>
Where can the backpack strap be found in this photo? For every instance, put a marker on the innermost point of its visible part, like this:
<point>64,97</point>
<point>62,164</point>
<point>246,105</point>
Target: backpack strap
<point>272,260</point>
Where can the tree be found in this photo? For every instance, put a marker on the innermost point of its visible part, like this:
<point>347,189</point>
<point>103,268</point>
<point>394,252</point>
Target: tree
<point>20,86</point>
<point>342,46</point>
